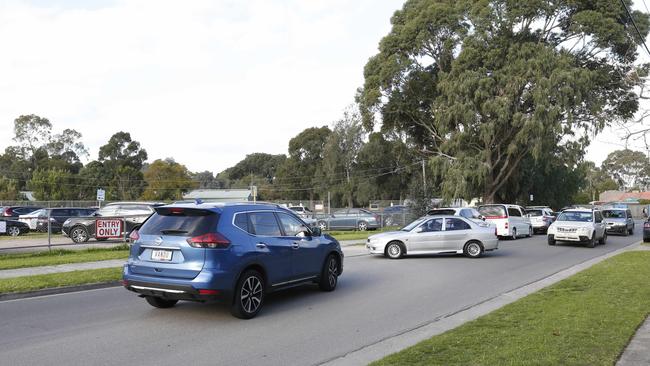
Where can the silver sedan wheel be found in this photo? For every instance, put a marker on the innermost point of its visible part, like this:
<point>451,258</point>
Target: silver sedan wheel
<point>251,294</point>
<point>13,231</point>
<point>322,225</point>
<point>473,250</point>
<point>363,226</point>
<point>394,250</point>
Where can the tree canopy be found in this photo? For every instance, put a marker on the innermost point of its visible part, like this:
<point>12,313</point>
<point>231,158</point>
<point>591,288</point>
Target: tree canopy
<point>484,86</point>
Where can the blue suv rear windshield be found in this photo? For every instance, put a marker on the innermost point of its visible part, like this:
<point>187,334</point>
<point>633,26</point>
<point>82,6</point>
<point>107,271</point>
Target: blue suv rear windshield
<point>180,222</point>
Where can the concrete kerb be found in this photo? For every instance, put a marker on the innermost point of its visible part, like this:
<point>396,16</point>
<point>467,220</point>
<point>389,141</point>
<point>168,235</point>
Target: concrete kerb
<point>410,337</point>
<point>57,290</point>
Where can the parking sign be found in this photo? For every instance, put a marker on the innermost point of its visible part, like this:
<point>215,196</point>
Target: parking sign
<point>3,227</point>
<point>101,195</point>
<point>108,228</point>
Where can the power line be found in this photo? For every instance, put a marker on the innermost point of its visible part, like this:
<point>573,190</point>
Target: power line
<point>627,10</point>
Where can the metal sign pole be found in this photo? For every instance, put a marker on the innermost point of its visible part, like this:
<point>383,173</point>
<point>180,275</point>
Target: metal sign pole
<point>49,230</point>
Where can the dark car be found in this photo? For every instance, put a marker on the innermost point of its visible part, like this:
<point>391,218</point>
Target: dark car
<point>13,227</point>
<point>349,218</point>
<point>396,215</point>
<point>646,231</point>
<point>234,252</point>
<point>58,216</point>
<point>15,211</point>
<point>132,214</point>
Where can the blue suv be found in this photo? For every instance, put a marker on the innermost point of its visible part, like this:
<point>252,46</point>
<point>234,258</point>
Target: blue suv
<point>237,252</point>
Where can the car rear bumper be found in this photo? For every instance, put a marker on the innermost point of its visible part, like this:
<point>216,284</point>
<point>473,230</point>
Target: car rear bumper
<point>171,292</point>
<point>179,288</point>
<point>617,229</point>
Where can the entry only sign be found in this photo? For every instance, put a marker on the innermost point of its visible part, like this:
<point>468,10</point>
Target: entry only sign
<point>108,228</point>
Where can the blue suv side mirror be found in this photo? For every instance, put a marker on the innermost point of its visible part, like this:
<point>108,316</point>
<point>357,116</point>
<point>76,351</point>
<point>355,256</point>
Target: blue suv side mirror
<point>316,231</point>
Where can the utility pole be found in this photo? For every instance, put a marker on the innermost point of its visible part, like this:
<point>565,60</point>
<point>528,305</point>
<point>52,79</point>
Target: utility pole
<point>424,177</point>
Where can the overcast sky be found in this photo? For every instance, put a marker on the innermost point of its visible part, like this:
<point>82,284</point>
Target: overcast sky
<point>204,82</point>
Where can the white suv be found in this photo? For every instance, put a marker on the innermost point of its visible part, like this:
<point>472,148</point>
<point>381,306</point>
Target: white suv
<point>578,225</point>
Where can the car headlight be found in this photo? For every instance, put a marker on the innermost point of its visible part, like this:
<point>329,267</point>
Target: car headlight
<point>551,229</point>
<point>584,231</point>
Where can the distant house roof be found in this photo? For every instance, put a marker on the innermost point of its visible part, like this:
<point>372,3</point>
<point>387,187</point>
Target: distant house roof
<point>221,195</point>
<point>618,196</point>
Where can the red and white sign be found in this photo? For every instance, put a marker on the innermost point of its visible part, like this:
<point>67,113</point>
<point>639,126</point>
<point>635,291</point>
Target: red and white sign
<point>108,228</point>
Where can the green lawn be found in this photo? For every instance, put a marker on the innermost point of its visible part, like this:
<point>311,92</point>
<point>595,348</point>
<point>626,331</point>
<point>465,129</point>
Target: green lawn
<point>29,235</point>
<point>354,235</point>
<point>61,256</point>
<point>587,319</point>
<point>31,283</point>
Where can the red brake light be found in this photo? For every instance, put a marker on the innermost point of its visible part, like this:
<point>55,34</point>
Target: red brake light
<point>208,292</point>
<point>496,217</point>
<point>210,240</point>
<point>177,211</point>
<point>135,235</point>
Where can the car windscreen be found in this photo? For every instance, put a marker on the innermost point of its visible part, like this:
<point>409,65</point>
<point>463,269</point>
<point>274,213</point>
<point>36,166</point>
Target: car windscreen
<point>493,211</point>
<point>180,222</point>
<point>414,224</point>
<point>579,216</point>
<point>614,214</point>
<point>534,213</point>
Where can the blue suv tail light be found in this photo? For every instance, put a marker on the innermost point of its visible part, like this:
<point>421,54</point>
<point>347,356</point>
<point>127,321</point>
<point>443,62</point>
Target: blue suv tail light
<point>210,241</point>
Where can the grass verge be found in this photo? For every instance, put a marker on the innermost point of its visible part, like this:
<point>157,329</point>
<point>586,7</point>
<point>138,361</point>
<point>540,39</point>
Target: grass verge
<point>61,256</point>
<point>354,235</point>
<point>38,282</point>
<point>29,235</point>
<point>586,319</point>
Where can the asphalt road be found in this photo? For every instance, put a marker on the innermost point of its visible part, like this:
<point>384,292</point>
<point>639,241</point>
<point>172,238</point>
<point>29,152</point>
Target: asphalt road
<point>376,298</point>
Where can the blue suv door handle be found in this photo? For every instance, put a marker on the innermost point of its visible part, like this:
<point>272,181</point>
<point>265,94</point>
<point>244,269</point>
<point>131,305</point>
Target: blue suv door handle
<point>295,245</point>
<point>260,245</point>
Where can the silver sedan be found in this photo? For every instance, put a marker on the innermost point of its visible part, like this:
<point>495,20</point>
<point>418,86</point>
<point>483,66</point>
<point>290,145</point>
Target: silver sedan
<point>436,235</point>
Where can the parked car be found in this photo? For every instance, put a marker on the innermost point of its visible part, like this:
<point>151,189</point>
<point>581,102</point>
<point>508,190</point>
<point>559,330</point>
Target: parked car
<point>16,211</point>
<point>510,220</point>
<point>435,235</point>
<point>305,214</point>
<point>80,229</point>
<point>350,218</point>
<point>646,231</point>
<point>233,252</point>
<point>618,221</point>
<point>13,227</point>
<point>578,225</point>
<point>540,218</point>
<point>31,219</point>
<point>396,215</point>
<point>38,220</point>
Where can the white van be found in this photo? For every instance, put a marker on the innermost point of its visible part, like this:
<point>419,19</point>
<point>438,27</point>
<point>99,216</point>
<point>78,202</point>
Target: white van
<point>510,220</point>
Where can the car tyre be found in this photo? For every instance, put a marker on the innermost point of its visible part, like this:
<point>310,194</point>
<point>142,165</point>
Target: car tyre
<point>322,225</point>
<point>551,240</point>
<point>592,242</point>
<point>362,226</point>
<point>159,302</point>
<point>394,250</point>
<point>603,240</point>
<point>13,230</point>
<point>514,234</point>
<point>329,274</point>
<point>249,295</point>
<point>631,231</point>
<point>530,232</point>
<point>473,249</point>
<point>79,234</point>
<point>388,221</point>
